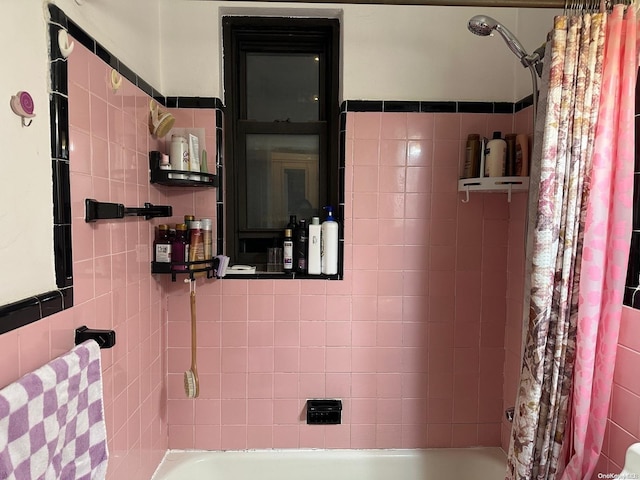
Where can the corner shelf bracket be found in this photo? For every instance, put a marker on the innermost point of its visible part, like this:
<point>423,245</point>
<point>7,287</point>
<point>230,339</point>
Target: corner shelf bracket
<point>508,185</point>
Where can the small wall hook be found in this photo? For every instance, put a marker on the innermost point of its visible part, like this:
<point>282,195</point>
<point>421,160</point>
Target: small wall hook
<point>22,105</point>
<point>466,199</point>
<point>63,42</point>
<point>116,80</point>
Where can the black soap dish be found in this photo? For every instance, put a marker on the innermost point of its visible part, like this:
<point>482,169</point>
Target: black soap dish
<point>324,412</point>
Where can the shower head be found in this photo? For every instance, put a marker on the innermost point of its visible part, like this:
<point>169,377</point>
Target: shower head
<point>484,26</point>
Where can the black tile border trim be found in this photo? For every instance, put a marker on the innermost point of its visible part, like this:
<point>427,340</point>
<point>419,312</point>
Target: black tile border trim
<point>23,312</point>
<point>388,106</point>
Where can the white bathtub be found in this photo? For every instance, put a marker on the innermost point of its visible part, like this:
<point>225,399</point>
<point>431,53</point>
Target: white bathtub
<point>429,464</point>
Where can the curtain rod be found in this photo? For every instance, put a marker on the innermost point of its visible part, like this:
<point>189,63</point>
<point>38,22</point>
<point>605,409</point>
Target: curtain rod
<point>444,3</point>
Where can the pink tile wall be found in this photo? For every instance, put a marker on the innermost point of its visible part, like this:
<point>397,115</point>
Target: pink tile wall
<point>411,340</point>
<point>623,425</point>
<point>113,288</point>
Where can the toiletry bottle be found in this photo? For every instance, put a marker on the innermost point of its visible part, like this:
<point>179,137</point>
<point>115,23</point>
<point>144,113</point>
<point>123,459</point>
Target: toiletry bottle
<point>179,156</point>
<point>329,244</point>
<point>293,222</point>
<point>510,167</point>
<point>207,238</point>
<point>164,162</point>
<point>187,221</point>
<point>495,156</point>
<point>287,251</point>
<point>314,263</point>
<point>522,155</point>
<point>196,246</point>
<point>204,167</point>
<point>162,246</point>
<point>472,157</point>
<point>194,156</point>
<point>300,247</point>
<point>180,247</point>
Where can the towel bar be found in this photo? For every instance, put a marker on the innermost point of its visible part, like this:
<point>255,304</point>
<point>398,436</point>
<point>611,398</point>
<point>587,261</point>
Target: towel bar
<point>95,210</point>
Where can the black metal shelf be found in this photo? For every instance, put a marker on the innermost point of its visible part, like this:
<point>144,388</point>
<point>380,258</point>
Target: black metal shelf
<point>183,178</point>
<point>192,269</point>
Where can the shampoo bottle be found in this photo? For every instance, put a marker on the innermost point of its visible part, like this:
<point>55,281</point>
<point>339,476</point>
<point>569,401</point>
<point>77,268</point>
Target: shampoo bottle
<point>287,251</point>
<point>329,244</point>
<point>472,157</point>
<point>496,154</point>
<point>300,247</point>
<point>510,167</point>
<point>522,155</point>
<point>314,265</point>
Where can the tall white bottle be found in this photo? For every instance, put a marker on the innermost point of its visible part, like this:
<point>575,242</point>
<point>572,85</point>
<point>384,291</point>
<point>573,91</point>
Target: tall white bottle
<point>329,244</point>
<point>496,155</point>
<point>314,259</point>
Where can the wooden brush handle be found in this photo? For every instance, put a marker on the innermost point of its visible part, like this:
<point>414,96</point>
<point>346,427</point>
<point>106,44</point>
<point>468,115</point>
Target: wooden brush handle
<point>194,345</point>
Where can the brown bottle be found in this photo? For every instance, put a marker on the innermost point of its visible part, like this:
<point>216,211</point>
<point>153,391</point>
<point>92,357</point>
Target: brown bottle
<point>162,245</point>
<point>472,157</point>
<point>510,167</point>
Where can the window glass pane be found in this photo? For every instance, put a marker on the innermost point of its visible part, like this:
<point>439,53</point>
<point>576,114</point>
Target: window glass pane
<point>283,87</point>
<point>282,179</point>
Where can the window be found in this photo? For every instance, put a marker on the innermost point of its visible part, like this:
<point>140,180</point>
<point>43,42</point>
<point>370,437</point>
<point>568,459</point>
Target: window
<point>281,128</point>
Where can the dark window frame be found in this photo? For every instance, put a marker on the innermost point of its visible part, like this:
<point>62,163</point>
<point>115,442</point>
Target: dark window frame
<point>290,35</point>
<point>631,298</point>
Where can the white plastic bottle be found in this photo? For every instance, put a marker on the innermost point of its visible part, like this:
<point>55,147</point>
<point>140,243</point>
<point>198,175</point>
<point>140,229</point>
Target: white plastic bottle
<point>314,260</point>
<point>179,156</point>
<point>329,244</point>
<point>496,156</point>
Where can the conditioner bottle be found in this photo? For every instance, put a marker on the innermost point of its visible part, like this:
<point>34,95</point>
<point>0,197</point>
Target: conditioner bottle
<point>496,154</point>
<point>329,244</point>
<point>472,157</point>
<point>314,265</point>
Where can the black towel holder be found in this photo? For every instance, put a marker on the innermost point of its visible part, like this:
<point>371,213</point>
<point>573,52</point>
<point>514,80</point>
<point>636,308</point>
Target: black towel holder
<point>95,210</point>
<point>104,338</point>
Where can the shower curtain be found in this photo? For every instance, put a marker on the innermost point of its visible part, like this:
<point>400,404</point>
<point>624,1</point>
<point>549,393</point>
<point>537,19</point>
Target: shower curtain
<point>580,242</point>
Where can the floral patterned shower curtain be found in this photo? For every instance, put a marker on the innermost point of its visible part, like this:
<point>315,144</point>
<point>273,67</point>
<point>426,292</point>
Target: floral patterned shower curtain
<point>607,234</point>
<point>568,188</point>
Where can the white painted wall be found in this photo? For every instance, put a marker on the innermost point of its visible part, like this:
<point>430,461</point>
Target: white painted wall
<point>26,242</point>
<point>129,29</point>
<point>390,53</point>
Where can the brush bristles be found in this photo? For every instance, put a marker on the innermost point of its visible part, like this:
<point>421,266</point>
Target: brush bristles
<point>189,384</point>
<point>165,125</point>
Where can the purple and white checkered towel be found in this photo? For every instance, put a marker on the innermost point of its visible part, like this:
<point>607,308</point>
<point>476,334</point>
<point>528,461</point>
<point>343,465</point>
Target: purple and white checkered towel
<point>52,420</point>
